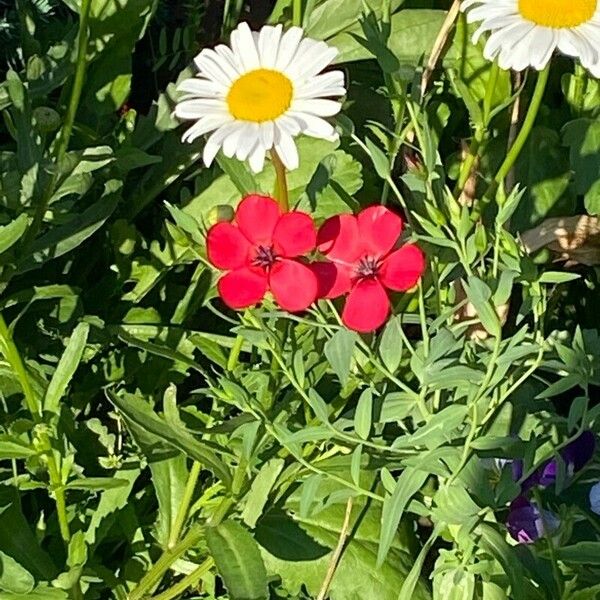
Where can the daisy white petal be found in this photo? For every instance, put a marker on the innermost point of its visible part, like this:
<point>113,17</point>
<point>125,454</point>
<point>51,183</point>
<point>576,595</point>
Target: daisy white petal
<point>259,93</point>
<point>526,33</point>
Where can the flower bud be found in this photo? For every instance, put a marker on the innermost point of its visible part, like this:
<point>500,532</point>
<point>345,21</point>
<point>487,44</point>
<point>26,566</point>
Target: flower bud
<point>222,213</point>
<point>46,119</point>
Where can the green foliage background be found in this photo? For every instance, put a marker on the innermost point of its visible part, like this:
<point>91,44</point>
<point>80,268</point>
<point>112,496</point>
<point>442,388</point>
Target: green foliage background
<point>154,445</point>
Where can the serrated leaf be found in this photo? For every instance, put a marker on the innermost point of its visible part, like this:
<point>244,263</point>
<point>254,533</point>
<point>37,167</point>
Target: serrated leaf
<point>13,447</point>
<point>169,478</point>
<point>140,413</point>
<point>238,561</point>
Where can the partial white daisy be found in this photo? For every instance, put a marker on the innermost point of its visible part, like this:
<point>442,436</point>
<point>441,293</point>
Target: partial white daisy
<point>527,32</point>
<point>260,93</point>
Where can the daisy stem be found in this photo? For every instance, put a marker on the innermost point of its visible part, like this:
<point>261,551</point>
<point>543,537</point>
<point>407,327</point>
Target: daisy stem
<point>297,13</point>
<point>281,189</point>
<point>523,136</point>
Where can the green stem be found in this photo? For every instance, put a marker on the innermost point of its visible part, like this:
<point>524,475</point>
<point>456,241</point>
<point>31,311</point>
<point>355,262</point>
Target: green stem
<point>297,13</point>
<point>12,355</point>
<point>182,513</point>
<point>528,123</point>
<point>161,566</point>
<point>551,550</point>
<point>82,45</point>
<point>189,581</point>
<point>281,190</point>
<point>67,129</point>
<point>234,354</point>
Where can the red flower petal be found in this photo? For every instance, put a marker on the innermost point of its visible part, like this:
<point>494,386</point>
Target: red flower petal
<point>293,284</point>
<point>339,239</point>
<point>367,307</point>
<point>333,279</point>
<point>294,234</point>
<point>243,288</point>
<point>379,229</point>
<point>256,217</point>
<point>226,246</point>
<point>402,269</point>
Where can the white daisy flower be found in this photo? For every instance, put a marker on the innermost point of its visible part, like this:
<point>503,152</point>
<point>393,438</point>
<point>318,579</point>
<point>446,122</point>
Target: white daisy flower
<point>260,93</point>
<point>527,32</point>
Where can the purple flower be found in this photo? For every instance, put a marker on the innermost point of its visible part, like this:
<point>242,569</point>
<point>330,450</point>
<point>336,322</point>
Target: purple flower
<point>595,499</point>
<point>526,523</point>
<point>575,456</point>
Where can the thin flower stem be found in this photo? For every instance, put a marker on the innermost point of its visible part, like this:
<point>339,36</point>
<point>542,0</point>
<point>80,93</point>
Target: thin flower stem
<point>281,186</point>
<point>551,550</point>
<point>161,566</point>
<point>182,513</point>
<point>337,555</point>
<point>528,123</point>
<point>189,581</point>
<point>12,355</point>
<point>67,129</point>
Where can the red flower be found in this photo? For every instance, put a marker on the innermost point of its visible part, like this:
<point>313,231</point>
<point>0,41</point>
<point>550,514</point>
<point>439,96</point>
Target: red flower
<point>363,263</point>
<point>259,250</point>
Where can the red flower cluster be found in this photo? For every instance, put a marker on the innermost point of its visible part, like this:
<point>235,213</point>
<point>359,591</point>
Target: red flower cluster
<point>263,250</point>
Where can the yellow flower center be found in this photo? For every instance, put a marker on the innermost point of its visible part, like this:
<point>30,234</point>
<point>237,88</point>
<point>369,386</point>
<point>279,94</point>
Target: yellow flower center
<point>558,13</point>
<point>260,95</point>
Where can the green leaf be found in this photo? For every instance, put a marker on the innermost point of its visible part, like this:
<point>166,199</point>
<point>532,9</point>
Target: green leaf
<point>320,185</point>
<point>65,238</point>
<point>558,277</point>
<point>10,234</point>
<point>13,447</point>
<point>297,547</point>
<point>238,561</point>
<point>495,545</point>
<point>66,368</point>
<point>390,344</point>
<point>380,161</point>
<point>438,430</point>
<point>339,350</point>
<point>479,295</point>
<point>111,501</point>
<point>14,577</point>
<point>96,483</point>
<point>407,485</point>
<point>239,174</point>
<point>18,541</point>
<point>592,199</point>
<point>363,417</point>
<point>169,478</point>
<point>455,584</point>
<point>261,487</point>
<point>139,413</point>
<point>582,553</point>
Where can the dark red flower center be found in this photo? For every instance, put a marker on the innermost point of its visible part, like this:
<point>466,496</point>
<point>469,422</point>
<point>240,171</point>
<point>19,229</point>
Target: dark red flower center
<point>265,257</point>
<point>367,267</point>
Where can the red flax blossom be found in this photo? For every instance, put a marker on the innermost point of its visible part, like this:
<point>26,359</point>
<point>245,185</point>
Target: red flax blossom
<point>364,263</point>
<point>260,251</point>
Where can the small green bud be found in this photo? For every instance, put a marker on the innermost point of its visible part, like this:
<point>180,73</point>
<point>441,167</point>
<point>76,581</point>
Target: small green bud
<point>223,213</point>
<point>46,119</point>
